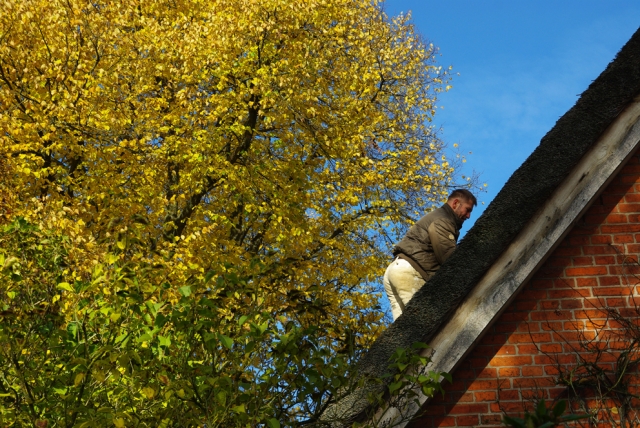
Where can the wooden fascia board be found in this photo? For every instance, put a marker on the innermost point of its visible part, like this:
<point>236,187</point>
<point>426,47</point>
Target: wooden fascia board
<point>501,283</point>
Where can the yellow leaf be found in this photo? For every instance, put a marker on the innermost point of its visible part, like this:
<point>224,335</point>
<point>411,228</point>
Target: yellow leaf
<point>149,392</point>
<point>78,379</point>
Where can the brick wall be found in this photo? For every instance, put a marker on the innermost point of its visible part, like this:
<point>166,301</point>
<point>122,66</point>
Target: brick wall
<point>517,361</point>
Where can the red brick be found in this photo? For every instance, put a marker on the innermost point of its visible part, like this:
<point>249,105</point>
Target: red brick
<point>582,261</point>
<point>508,406</point>
<point>570,293</point>
<point>527,338</point>
<point>599,249</point>
<point>527,350</point>
<point>510,361</point>
<point>526,305</point>
<point>624,228</point>
<point>629,208</point>
<point>550,272</point>
<point>485,396</point>
<point>543,359</point>
<point>577,240</point>
<point>505,327</point>
<point>446,421</point>
<point>564,282</point>
<point>626,269</point>
<point>506,350</point>
<point>483,385</point>
<point>560,262</point>
<point>571,303</point>
<point>589,314</point>
<point>551,370</point>
<point>532,371</point>
<point>478,362</point>
<point>541,283</point>
<point>632,197</point>
<point>509,394</point>
<point>465,373</point>
<point>488,372</point>
<point>572,336</point>
<point>551,348</point>
<point>509,371</point>
<point>616,218</point>
<point>461,409</point>
<point>617,302</point>
<point>536,295</point>
<point>586,282</point>
<point>551,326</point>
<point>587,271</point>
<point>567,251</point>
<point>605,260</point>
<point>535,395</point>
<point>609,280</point>
<point>491,420</point>
<point>457,385</point>
<point>612,199</point>
<point>601,239</point>
<point>594,218</point>
<point>530,327</point>
<point>467,421</point>
<point>434,409</point>
<point>632,248</point>
<point>612,291</point>
<point>617,188</point>
<point>622,239</point>
<point>467,397</point>
<point>512,316</point>
<point>551,315</point>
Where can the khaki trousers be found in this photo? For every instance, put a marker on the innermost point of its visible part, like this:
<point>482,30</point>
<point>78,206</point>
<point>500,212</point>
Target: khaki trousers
<point>401,281</point>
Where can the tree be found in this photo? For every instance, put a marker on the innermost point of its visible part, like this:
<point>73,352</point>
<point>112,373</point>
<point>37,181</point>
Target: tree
<point>258,154</point>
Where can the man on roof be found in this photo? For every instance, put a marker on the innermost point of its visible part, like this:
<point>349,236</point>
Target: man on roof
<point>425,247</point>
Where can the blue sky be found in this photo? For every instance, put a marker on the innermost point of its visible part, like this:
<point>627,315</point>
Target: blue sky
<point>522,65</point>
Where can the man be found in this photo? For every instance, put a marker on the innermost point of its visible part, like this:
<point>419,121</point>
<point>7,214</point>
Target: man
<point>425,247</point>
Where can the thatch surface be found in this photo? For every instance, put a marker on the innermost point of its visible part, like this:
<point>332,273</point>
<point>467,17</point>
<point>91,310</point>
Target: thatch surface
<point>523,194</point>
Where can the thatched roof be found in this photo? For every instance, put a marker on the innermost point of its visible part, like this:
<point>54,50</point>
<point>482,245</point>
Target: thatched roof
<point>528,189</point>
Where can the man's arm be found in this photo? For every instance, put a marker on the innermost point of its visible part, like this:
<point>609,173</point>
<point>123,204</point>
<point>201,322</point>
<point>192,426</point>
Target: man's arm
<point>443,239</point>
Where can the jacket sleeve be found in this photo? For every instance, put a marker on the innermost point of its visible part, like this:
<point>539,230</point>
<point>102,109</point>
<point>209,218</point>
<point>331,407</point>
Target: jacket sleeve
<point>443,239</point>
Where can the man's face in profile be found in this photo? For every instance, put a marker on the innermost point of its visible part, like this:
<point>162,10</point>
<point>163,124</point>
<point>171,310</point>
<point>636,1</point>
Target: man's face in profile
<point>462,209</point>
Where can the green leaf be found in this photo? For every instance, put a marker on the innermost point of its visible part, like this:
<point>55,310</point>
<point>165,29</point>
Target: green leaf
<point>208,276</point>
<point>273,423</point>
<point>185,291</point>
<point>239,409</point>
<point>144,338</point>
<point>225,340</point>
<point>242,320</point>
<point>164,341</point>
<point>559,408</point>
<point>395,386</point>
<point>65,286</point>
<point>541,409</point>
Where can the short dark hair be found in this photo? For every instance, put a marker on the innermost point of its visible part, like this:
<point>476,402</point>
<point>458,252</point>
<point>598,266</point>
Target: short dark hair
<point>463,194</point>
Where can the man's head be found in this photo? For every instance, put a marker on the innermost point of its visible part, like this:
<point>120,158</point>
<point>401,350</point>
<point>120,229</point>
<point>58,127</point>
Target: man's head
<point>462,202</point>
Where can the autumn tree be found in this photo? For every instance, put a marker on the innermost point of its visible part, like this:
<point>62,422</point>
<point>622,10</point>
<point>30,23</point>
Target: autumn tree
<point>260,155</point>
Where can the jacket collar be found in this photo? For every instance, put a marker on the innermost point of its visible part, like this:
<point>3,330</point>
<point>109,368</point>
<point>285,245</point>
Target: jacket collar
<point>453,216</point>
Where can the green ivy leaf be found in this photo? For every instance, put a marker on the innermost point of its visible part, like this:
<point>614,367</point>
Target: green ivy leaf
<point>225,340</point>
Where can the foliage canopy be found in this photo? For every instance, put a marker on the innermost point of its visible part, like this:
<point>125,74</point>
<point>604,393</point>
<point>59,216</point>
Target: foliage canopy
<point>243,162</point>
